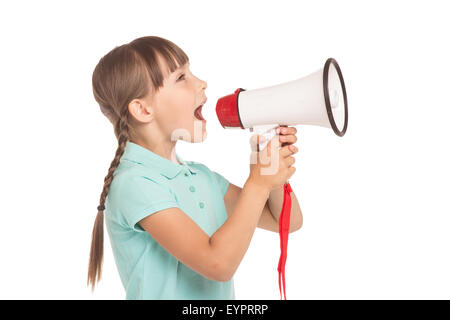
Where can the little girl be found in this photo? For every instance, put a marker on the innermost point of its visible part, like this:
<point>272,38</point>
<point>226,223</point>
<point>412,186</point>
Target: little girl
<point>178,230</point>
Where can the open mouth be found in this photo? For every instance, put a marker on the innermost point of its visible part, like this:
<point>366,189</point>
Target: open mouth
<point>198,113</point>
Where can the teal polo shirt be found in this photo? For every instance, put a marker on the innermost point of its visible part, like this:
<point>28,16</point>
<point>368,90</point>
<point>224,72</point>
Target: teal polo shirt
<point>145,183</point>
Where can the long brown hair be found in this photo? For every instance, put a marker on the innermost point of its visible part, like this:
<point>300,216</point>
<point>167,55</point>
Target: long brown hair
<point>130,71</point>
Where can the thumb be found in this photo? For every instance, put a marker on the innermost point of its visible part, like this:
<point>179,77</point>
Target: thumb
<point>272,145</point>
<point>255,140</point>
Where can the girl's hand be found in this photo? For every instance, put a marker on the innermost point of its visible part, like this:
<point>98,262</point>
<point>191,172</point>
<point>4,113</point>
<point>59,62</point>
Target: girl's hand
<point>277,162</point>
<point>287,135</point>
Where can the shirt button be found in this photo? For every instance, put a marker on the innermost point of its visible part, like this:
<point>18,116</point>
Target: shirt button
<point>201,204</point>
<point>192,188</point>
<point>186,174</point>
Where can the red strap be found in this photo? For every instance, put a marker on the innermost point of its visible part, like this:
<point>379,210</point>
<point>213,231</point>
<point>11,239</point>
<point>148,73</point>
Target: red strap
<point>284,220</point>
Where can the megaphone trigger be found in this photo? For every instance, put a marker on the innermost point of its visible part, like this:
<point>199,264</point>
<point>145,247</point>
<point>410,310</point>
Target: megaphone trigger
<point>255,142</point>
<point>267,131</point>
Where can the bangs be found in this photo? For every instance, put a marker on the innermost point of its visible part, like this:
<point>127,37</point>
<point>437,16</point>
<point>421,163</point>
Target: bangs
<point>160,58</point>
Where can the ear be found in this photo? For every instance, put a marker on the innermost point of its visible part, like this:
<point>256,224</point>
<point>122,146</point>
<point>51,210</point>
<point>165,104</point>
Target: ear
<point>140,110</point>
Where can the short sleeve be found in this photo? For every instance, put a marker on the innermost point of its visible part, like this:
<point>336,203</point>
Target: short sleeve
<point>139,197</point>
<point>222,182</point>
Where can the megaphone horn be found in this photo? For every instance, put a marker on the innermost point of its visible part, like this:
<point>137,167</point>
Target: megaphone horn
<point>318,99</point>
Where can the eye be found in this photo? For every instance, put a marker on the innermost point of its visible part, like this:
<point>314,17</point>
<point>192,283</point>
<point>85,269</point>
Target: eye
<point>182,76</point>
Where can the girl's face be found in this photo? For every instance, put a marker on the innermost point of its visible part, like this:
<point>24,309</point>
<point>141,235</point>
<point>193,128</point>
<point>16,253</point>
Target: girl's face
<point>175,103</point>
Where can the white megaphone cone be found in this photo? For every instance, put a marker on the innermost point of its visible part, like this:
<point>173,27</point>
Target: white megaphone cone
<point>318,99</point>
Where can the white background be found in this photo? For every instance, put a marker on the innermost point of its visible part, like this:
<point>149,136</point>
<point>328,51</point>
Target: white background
<point>375,202</point>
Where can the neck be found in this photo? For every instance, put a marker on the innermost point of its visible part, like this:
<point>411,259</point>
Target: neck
<point>161,147</point>
<point>151,137</point>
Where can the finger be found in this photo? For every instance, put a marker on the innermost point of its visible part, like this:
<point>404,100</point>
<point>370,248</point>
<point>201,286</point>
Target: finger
<point>288,138</point>
<point>255,140</point>
<point>290,160</point>
<point>288,150</point>
<point>280,128</point>
<point>272,146</point>
<point>284,130</point>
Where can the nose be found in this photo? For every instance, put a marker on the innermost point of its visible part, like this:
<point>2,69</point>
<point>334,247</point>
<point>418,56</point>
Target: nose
<point>203,84</point>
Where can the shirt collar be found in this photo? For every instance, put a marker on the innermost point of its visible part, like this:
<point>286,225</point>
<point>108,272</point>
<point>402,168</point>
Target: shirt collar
<point>144,156</point>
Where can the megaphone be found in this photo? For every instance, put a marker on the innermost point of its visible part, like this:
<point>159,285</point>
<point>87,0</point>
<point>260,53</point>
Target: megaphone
<point>319,99</point>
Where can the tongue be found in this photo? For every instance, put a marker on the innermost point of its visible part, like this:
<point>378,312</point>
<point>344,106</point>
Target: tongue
<point>198,113</point>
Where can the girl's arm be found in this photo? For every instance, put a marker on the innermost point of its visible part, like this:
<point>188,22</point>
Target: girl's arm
<point>216,257</point>
<point>176,232</point>
<point>272,209</point>
<point>232,239</point>
<point>275,203</point>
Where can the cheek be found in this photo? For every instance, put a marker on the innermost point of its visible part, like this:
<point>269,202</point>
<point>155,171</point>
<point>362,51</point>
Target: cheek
<point>177,110</point>
<point>177,115</point>
<point>182,108</point>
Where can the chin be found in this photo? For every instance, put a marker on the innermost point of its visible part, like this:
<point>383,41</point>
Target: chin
<point>199,132</point>
<point>195,134</point>
<point>198,138</point>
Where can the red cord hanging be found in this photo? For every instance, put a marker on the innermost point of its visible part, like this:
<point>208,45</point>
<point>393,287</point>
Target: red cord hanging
<point>284,221</point>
